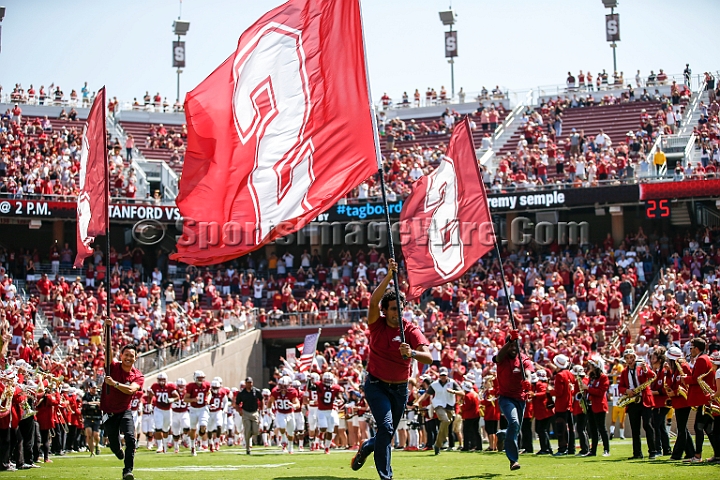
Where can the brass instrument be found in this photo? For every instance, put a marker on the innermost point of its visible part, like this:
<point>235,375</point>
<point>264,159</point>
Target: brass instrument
<point>682,389</point>
<point>713,406</point>
<point>626,399</point>
<point>9,381</point>
<point>581,395</point>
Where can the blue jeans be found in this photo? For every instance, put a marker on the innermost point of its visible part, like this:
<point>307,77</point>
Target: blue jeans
<point>513,410</point>
<point>387,404</point>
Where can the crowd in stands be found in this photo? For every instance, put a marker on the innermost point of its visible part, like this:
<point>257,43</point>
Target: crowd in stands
<point>55,96</point>
<point>603,81</point>
<point>41,160</point>
<point>570,301</point>
<point>582,158</point>
<point>432,97</point>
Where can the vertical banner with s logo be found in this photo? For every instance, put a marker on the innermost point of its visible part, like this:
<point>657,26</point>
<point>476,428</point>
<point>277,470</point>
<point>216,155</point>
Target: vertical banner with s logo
<point>451,46</point>
<point>278,133</point>
<point>445,224</point>
<point>612,27</point>
<point>178,54</point>
<point>94,198</point>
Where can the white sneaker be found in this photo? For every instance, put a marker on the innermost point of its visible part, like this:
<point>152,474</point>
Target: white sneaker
<point>606,453</point>
<point>194,453</point>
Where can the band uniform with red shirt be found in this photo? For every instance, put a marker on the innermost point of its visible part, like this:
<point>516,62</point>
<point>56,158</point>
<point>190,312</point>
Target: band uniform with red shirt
<point>631,379</point>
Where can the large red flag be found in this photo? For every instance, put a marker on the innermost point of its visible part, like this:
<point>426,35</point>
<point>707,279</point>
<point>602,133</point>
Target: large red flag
<point>278,133</point>
<point>445,224</point>
<point>93,199</point>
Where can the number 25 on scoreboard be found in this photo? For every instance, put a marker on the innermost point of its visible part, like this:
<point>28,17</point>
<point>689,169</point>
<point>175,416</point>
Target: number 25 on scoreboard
<point>657,208</point>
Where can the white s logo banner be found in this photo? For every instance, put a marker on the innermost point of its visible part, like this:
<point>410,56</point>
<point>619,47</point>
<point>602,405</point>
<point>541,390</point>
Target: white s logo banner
<point>444,242</point>
<point>83,207</point>
<point>272,105</point>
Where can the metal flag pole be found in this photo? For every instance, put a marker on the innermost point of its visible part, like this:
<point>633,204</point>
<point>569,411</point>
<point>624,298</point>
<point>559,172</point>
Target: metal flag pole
<point>507,299</point>
<point>381,174</point>
<point>108,328</point>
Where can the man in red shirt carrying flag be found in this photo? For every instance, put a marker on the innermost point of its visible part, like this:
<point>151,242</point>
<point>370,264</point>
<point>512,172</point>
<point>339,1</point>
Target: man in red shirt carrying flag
<point>512,391</point>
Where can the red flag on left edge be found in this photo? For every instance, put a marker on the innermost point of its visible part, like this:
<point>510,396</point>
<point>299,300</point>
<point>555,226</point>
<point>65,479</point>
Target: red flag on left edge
<point>445,223</point>
<point>93,199</point>
<point>278,133</point>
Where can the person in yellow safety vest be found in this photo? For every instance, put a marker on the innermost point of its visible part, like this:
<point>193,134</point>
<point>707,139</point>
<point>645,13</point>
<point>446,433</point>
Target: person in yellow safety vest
<point>659,160</point>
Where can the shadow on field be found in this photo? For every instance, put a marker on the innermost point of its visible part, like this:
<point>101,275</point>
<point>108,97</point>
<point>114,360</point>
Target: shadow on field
<point>473,477</point>
<point>316,478</point>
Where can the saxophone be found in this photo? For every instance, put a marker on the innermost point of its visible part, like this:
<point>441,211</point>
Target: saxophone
<point>9,383</point>
<point>682,389</point>
<point>627,399</point>
<point>713,406</point>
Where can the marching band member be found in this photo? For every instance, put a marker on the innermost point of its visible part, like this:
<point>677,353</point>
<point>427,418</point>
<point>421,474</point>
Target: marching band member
<point>632,379</point>
<point>563,392</point>
<point>598,386</point>
<point>579,414</point>
<point>677,369</point>
<point>526,438</point>
<point>696,397</point>
<point>47,419</point>
<point>660,400</point>
<point>543,413</point>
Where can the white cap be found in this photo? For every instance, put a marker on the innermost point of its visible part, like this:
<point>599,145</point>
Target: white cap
<point>561,361</point>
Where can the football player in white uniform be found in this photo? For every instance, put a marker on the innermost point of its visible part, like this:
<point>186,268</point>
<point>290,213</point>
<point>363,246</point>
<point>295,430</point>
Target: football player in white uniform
<point>180,417</point>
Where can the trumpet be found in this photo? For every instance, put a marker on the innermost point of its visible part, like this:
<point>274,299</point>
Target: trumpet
<point>627,399</point>
<point>713,406</point>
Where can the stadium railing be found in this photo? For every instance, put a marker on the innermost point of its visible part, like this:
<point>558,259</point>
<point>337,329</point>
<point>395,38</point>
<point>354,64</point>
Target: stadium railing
<point>696,81</point>
<point>181,350</point>
<point>316,319</point>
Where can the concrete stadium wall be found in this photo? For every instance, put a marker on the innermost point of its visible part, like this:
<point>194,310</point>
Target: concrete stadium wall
<point>233,361</point>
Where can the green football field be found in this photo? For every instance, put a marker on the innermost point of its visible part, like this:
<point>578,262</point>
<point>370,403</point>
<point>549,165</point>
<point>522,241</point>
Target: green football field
<point>268,463</point>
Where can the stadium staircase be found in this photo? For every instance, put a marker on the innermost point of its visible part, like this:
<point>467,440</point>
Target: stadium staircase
<point>156,171</point>
<point>615,120</point>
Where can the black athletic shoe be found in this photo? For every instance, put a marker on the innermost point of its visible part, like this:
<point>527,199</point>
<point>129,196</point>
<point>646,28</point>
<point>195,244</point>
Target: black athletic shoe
<point>120,454</point>
<point>515,466</point>
<point>128,476</point>
<point>359,459</point>
<point>437,450</point>
<point>636,457</point>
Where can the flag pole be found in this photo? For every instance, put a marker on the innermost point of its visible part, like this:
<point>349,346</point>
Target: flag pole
<point>507,299</point>
<point>108,328</point>
<point>381,174</point>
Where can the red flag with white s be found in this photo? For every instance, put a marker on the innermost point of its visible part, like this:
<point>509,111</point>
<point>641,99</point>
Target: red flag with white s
<point>445,223</point>
<point>93,199</point>
<point>278,133</point>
